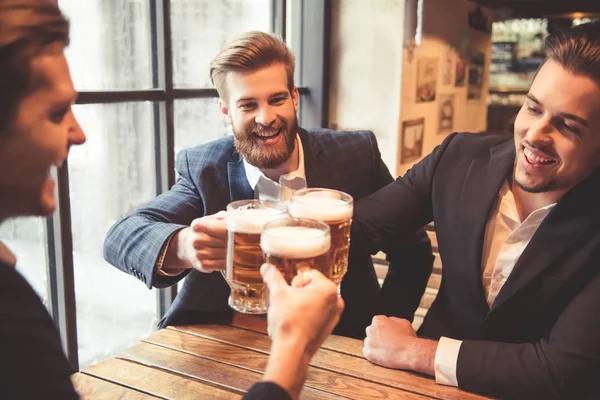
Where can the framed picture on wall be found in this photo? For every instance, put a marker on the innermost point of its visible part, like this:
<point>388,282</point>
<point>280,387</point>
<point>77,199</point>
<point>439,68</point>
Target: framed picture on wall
<point>411,140</point>
<point>475,79</point>
<point>448,67</point>
<point>446,103</point>
<point>427,75</point>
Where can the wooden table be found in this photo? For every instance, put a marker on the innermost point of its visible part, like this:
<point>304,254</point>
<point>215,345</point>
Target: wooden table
<point>223,361</point>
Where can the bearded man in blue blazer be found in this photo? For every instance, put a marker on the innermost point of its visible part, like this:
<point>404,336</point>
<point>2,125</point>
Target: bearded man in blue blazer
<point>182,232</point>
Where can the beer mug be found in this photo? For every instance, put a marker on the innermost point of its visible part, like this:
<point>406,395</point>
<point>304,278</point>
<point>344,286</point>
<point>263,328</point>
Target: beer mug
<point>335,209</point>
<point>245,221</point>
<point>296,245</point>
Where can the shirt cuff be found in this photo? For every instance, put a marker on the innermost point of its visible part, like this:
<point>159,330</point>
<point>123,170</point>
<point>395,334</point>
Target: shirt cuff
<point>446,358</point>
<point>159,264</point>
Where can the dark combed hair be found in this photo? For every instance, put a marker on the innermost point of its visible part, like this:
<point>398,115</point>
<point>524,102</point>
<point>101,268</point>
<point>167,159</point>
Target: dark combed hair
<point>26,28</point>
<point>577,49</point>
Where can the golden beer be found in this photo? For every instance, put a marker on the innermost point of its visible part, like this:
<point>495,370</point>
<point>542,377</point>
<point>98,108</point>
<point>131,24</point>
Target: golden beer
<point>335,209</point>
<point>296,245</point>
<point>245,221</point>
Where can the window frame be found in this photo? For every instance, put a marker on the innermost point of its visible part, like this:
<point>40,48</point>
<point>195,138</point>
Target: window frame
<point>308,23</point>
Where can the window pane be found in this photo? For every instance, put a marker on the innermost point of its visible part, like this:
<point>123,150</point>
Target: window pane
<point>201,28</point>
<point>198,121</point>
<point>110,44</point>
<point>26,238</point>
<point>110,175</point>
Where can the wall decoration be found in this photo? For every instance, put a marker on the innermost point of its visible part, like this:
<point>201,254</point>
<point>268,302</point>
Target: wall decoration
<point>446,113</point>
<point>427,73</point>
<point>460,72</point>
<point>475,76</point>
<point>448,67</point>
<point>411,143</point>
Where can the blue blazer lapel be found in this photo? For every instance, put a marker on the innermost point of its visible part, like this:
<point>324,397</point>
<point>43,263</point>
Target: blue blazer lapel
<point>239,188</point>
<point>479,194</point>
<point>316,164</point>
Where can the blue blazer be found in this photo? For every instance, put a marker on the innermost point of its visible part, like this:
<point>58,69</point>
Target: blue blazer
<point>211,176</point>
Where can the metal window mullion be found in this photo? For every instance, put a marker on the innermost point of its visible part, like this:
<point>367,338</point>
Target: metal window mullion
<point>60,270</point>
<point>164,119</point>
<point>278,17</point>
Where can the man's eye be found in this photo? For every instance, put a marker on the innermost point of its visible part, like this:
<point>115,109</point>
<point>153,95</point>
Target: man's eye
<point>279,100</point>
<point>247,106</point>
<point>561,125</point>
<point>533,110</point>
<point>58,116</point>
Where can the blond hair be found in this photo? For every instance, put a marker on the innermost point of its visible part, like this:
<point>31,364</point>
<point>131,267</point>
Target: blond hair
<point>250,52</point>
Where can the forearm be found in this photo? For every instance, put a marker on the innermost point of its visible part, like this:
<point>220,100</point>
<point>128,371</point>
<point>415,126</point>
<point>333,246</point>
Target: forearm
<point>288,365</point>
<point>423,356</point>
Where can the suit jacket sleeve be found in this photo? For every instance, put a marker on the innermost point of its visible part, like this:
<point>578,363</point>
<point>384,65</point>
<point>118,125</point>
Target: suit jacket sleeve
<point>266,390</point>
<point>410,264</point>
<point>32,363</point>
<point>135,243</point>
<point>391,216</point>
<point>565,364</point>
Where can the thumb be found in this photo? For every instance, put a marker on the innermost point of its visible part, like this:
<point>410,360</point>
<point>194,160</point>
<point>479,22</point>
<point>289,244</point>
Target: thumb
<point>272,277</point>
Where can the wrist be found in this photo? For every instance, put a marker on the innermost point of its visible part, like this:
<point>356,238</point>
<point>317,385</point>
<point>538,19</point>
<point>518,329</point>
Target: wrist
<point>423,356</point>
<point>288,364</point>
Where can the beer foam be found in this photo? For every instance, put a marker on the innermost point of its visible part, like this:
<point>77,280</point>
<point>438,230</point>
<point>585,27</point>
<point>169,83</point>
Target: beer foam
<point>295,242</point>
<point>251,220</point>
<point>321,208</point>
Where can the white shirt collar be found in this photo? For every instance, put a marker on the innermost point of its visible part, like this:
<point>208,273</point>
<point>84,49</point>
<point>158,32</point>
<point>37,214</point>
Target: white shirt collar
<point>266,189</point>
<point>6,256</point>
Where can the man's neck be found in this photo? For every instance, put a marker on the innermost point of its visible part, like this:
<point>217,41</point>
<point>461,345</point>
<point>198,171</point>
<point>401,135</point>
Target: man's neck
<point>527,202</point>
<point>290,165</point>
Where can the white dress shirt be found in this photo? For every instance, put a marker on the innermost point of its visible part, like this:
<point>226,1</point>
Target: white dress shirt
<point>267,189</point>
<point>506,237</point>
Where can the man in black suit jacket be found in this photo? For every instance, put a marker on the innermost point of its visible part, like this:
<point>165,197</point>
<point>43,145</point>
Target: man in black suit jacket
<point>267,157</point>
<point>517,225</point>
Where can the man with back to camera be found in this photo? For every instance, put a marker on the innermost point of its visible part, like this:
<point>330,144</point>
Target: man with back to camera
<point>517,225</point>
<point>182,232</point>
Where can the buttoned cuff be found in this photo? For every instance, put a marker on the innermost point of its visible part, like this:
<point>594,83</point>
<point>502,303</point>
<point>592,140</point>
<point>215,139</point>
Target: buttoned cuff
<point>446,358</point>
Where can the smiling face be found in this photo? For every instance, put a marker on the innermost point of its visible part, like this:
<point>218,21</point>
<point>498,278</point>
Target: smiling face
<point>557,131</point>
<point>262,113</point>
<point>38,137</point>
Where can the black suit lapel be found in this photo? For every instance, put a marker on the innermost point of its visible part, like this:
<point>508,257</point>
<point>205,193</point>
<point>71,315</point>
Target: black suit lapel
<point>561,228</point>
<point>239,188</point>
<point>479,195</point>
<point>317,168</point>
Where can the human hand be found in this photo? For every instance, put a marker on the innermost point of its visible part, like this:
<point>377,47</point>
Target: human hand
<point>392,342</point>
<point>204,243</point>
<point>301,316</point>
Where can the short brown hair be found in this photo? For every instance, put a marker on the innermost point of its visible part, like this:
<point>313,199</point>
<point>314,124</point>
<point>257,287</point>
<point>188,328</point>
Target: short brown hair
<point>577,49</point>
<point>26,28</point>
<point>250,52</point>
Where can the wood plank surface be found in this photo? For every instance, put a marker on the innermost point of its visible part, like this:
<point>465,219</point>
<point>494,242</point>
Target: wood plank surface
<point>351,365</point>
<point>156,381</point>
<point>259,324</point>
<point>91,388</point>
<point>317,378</point>
<point>227,377</point>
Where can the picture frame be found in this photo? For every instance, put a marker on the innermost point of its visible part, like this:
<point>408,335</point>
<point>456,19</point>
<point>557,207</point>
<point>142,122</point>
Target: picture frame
<point>411,140</point>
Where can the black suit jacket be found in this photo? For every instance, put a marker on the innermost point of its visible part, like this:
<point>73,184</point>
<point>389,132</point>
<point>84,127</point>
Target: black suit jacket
<point>32,363</point>
<point>211,176</point>
<point>541,338</point>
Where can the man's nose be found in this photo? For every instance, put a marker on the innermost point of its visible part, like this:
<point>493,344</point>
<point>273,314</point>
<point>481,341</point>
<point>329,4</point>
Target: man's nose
<point>265,116</point>
<point>540,130</point>
<point>76,134</point>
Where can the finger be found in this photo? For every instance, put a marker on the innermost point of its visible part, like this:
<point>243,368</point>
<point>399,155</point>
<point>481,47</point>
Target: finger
<point>211,265</point>
<point>220,215</point>
<point>302,279</point>
<point>272,277</point>
<point>211,253</point>
<point>215,227</point>
<point>202,240</point>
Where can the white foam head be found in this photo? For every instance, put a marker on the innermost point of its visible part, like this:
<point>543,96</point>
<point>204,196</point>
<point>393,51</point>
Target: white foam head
<point>295,241</point>
<point>251,220</point>
<point>322,208</point>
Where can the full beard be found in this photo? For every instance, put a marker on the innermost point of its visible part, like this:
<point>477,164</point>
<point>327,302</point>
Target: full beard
<point>264,156</point>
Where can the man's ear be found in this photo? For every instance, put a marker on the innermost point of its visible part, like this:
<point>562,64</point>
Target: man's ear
<point>224,111</point>
<point>295,98</point>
